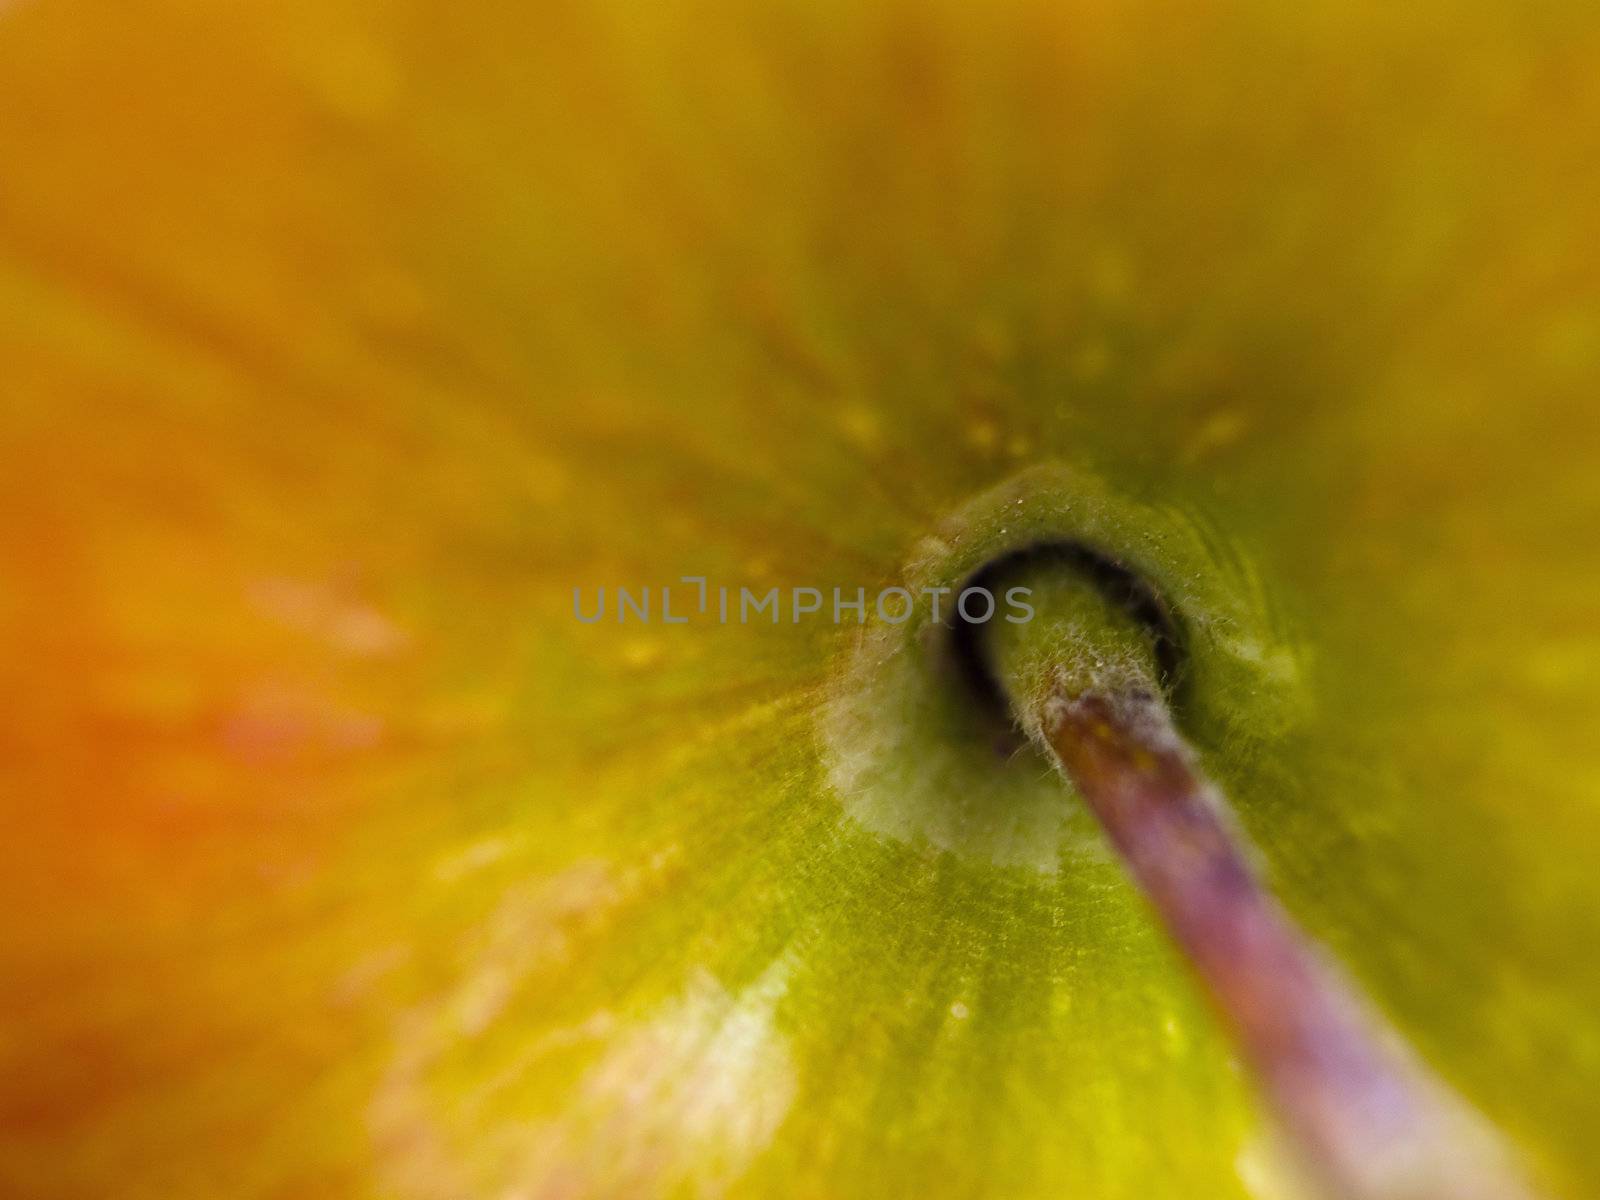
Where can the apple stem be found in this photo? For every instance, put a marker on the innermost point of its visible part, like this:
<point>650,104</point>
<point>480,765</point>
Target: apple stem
<point>1370,1122</point>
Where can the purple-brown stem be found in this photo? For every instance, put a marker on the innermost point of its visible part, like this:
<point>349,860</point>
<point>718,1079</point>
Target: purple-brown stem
<point>1370,1122</point>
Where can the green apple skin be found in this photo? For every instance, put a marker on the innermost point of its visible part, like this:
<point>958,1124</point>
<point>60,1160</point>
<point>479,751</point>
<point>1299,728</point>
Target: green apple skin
<point>343,340</point>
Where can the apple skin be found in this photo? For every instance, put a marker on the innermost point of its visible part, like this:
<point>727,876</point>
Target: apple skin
<point>343,340</point>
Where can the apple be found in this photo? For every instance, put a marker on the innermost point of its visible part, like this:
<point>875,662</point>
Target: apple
<point>342,341</point>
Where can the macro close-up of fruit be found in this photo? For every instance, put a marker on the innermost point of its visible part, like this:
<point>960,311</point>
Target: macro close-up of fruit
<point>656,601</point>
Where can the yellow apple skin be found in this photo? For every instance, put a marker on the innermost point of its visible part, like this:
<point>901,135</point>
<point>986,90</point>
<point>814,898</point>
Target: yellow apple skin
<point>340,341</point>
